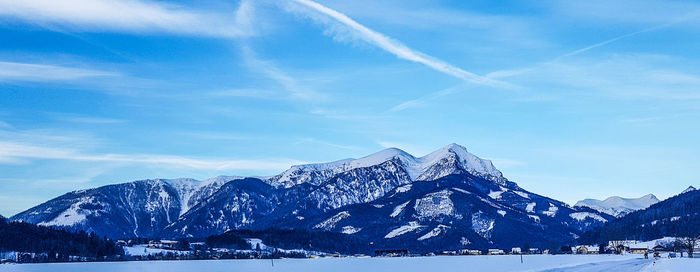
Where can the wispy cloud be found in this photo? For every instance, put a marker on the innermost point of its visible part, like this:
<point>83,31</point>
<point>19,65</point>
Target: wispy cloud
<point>14,152</point>
<point>418,102</point>
<point>16,71</point>
<point>131,16</point>
<point>217,136</point>
<point>247,93</point>
<point>86,120</point>
<point>322,13</point>
<point>270,70</point>
<point>334,145</point>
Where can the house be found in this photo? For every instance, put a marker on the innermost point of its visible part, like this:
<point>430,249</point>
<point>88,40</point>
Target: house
<point>449,252</point>
<point>638,248</point>
<point>659,248</point>
<point>469,252</point>
<point>198,246</point>
<point>621,245</point>
<point>515,250</point>
<point>163,244</point>
<point>495,251</point>
<point>587,249</point>
<point>168,244</point>
<point>391,252</point>
<point>534,250</point>
<point>8,257</point>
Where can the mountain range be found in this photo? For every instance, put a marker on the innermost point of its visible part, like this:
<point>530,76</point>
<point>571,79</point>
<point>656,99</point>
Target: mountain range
<point>618,206</point>
<point>677,216</point>
<point>447,199</point>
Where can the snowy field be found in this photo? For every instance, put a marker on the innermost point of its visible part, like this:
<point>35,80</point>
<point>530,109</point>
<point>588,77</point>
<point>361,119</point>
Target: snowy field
<point>578,263</point>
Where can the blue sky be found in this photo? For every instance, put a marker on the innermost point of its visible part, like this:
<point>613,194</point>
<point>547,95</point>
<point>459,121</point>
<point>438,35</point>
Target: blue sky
<point>569,99</point>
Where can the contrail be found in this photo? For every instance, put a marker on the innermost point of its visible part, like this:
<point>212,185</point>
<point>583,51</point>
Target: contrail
<point>508,73</point>
<point>397,48</point>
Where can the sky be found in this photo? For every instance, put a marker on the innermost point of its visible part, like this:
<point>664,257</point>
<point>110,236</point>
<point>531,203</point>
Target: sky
<point>570,99</point>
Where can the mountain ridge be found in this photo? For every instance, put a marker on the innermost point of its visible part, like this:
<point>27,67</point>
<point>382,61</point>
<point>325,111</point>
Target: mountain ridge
<point>389,199</point>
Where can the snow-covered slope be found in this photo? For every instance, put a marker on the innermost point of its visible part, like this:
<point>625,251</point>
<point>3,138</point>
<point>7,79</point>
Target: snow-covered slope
<point>618,206</point>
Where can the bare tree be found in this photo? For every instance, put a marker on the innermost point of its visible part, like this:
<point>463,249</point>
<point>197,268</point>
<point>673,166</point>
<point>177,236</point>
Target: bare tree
<point>687,243</point>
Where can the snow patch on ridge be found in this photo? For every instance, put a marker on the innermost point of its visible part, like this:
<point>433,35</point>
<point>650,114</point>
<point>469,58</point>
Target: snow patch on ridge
<point>580,216</point>
<point>399,209</point>
<point>72,216</point>
<point>412,226</point>
<point>350,230</point>
<point>482,224</point>
<point>530,207</point>
<point>435,232</point>
<point>552,211</point>
<point>330,222</point>
<point>434,204</point>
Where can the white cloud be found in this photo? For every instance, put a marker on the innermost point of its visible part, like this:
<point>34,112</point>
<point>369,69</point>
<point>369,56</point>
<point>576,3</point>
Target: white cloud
<point>16,71</point>
<point>131,16</point>
<point>341,21</point>
<point>14,152</point>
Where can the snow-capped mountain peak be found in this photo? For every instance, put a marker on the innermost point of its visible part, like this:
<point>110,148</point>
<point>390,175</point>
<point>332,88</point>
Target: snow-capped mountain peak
<point>466,160</point>
<point>690,189</point>
<point>444,161</point>
<point>618,206</point>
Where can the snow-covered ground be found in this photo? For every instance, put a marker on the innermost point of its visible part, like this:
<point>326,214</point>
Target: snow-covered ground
<point>579,263</point>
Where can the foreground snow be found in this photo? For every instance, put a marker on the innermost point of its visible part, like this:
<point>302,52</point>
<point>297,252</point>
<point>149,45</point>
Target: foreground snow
<point>577,263</point>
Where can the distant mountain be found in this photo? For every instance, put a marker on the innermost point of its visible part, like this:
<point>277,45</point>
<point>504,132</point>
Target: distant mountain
<point>618,206</point>
<point>447,199</point>
<point>674,217</point>
<point>135,209</point>
<point>690,188</point>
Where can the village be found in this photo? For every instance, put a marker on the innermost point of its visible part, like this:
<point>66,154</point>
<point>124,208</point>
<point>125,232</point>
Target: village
<point>143,249</point>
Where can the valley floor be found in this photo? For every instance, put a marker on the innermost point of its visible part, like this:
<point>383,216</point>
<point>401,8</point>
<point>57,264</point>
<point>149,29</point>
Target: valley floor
<point>577,263</point>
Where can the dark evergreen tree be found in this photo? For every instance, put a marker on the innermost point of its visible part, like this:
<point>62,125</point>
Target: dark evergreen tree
<point>53,244</point>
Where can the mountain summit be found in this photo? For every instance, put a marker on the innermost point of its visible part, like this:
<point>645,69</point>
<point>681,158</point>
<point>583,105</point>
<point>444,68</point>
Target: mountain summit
<point>689,189</point>
<point>439,163</point>
<point>447,199</point>
<point>618,206</point>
